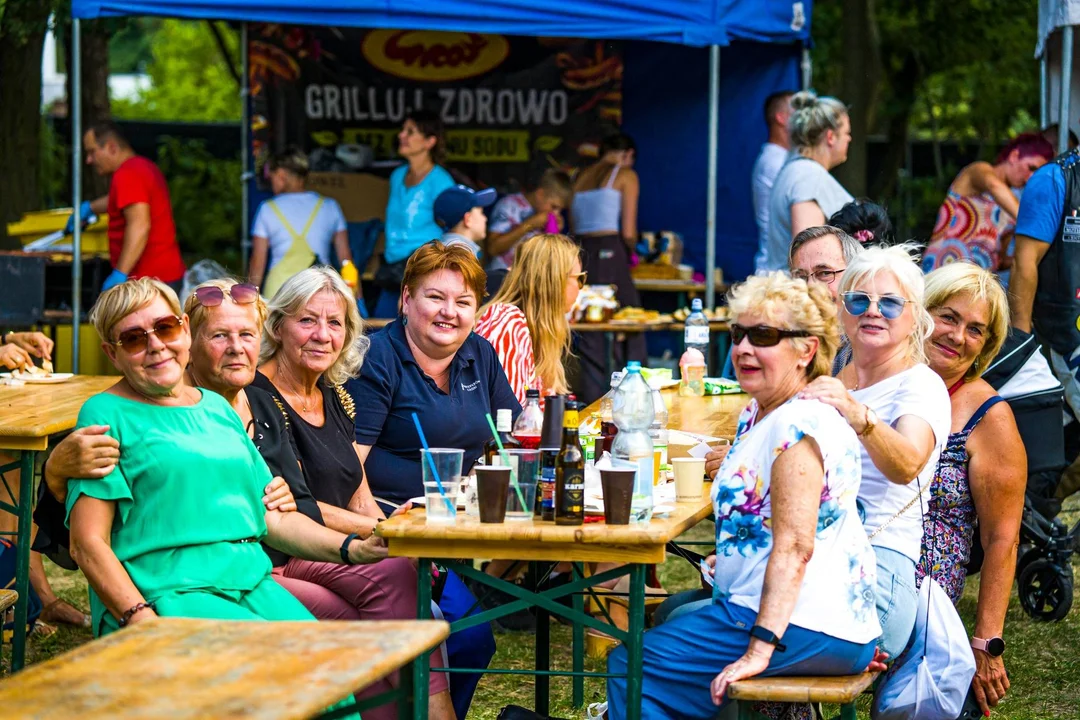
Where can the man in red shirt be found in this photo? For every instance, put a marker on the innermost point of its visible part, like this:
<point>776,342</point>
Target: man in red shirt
<point>142,235</point>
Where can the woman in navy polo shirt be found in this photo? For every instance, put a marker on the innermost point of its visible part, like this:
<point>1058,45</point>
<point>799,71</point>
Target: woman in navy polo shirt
<point>430,362</point>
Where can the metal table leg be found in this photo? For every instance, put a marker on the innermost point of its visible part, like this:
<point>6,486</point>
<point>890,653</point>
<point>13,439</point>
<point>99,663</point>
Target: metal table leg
<point>423,612</point>
<point>543,649</point>
<point>23,512</point>
<point>578,694</point>
<point>634,648</point>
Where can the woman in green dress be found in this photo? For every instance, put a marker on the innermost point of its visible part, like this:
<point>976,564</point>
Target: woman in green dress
<point>174,529</point>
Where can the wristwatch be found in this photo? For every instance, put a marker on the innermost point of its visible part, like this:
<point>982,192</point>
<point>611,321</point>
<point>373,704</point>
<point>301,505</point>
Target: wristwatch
<point>766,635</point>
<point>994,647</point>
<point>871,420</point>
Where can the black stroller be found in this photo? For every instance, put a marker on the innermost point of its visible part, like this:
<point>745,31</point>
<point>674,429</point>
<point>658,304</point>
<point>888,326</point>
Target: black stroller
<point>1044,572</point>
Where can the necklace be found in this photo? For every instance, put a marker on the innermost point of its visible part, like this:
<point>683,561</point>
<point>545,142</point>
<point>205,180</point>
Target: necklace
<point>306,405</point>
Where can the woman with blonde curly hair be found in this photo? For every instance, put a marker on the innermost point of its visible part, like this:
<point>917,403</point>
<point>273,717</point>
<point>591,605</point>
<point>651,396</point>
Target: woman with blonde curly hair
<point>526,320</point>
<point>785,492</point>
<point>899,408</point>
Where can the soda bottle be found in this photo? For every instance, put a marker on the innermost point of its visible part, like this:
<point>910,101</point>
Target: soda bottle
<point>696,333</point>
<point>570,472</point>
<point>504,418</point>
<point>607,422</point>
<point>530,422</point>
<point>350,275</point>
<point>632,408</point>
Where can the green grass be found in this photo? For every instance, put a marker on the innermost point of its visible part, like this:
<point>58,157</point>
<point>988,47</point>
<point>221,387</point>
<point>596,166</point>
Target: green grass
<point>1043,659</point>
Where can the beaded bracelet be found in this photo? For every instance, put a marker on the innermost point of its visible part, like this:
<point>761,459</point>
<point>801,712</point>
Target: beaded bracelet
<point>126,617</point>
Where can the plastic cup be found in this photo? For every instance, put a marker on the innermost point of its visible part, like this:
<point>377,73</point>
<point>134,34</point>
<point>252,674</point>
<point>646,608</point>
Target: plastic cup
<point>437,510</point>
<point>492,484</point>
<point>526,465</point>
<point>689,478</point>
<point>447,462</point>
<point>618,489</point>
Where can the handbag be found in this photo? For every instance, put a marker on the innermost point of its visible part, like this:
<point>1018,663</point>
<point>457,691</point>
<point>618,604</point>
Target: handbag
<point>931,678</point>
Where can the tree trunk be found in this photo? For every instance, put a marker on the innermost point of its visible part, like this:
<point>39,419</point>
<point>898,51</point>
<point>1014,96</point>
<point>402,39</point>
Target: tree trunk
<point>859,82</point>
<point>22,37</point>
<point>94,41</point>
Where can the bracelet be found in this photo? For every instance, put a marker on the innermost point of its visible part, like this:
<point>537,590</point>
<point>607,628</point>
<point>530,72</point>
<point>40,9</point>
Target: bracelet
<point>345,548</point>
<point>126,617</point>
<point>766,635</point>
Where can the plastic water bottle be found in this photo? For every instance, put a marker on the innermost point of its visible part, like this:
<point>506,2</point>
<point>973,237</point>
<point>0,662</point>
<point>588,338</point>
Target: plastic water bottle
<point>696,334</point>
<point>658,431</point>
<point>632,409</point>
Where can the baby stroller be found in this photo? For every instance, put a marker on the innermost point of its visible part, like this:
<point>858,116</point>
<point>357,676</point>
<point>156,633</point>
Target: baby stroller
<point>1044,572</point>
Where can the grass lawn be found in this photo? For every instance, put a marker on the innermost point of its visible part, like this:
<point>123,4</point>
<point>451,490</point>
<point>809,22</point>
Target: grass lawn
<point>1043,659</point>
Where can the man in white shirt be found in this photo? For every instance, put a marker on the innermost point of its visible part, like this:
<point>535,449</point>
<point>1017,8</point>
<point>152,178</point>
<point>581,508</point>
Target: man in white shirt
<point>767,166</point>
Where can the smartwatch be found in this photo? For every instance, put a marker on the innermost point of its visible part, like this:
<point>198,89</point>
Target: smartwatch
<point>766,635</point>
<point>994,647</point>
<point>345,548</point>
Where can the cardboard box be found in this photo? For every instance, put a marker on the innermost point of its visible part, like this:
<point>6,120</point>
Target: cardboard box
<point>362,196</point>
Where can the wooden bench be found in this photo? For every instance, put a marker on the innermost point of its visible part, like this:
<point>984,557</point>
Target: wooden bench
<point>840,690</point>
<point>7,600</point>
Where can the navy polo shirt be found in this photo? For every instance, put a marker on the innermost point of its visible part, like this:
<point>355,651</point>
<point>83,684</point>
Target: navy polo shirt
<point>392,387</point>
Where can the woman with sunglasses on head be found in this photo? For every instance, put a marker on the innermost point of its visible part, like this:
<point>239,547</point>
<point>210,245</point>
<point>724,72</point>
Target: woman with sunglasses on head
<point>977,218</point>
<point>899,408</point>
<point>793,569</point>
<point>526,322</point>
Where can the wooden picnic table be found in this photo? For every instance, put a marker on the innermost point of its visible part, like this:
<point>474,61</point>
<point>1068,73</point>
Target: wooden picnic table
<point>176,669</point>
<point>29,415</point>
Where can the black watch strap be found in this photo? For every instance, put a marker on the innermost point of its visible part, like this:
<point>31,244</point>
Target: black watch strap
<point>345,548</point>
<point>768,636</point>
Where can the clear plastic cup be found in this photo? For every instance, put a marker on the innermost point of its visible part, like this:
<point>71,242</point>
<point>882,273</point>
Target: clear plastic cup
<point>446,463</point>
<point>438,509</point>
<point>526,467</point>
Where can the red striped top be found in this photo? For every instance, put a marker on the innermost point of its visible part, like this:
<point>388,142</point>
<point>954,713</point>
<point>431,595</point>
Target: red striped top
<point>505,327</point>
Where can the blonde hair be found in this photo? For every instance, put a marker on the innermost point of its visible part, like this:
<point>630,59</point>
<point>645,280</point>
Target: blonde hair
<point>793,305</point>
<point>813,116</point>
<point>535,285</point>
<point>291,299</point>
<point>198,313</point>
<point>898,261</point>
<point>119,301</point>
<point>965,278</point>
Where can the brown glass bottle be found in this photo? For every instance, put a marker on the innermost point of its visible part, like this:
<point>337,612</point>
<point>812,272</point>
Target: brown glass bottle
<point>503,426</point>
<point>570,472</point>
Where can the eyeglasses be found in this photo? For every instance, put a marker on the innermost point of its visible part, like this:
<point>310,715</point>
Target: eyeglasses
<point>581,277</point>
<point>134,341</point>
<point>241,293</point>
<point>763,335</point>
<point>890,306</point>
<point>822,276</point>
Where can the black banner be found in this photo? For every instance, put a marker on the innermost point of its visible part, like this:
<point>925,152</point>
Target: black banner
<point>512,106</point>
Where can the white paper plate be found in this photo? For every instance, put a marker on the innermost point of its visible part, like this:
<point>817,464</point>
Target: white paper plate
<point>422,502</point>
<point>43,379</point>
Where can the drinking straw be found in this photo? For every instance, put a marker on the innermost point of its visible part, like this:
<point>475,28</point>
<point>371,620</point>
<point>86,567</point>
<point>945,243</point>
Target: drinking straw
<point>431,464</point>
<point>506,459</point>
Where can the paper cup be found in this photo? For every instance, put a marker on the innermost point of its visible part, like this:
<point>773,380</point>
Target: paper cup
<point>689,478</point>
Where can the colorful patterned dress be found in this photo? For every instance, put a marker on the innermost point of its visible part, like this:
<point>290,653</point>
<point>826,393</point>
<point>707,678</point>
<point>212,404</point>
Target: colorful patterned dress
<point>972,228</point>
<point>949,524</point>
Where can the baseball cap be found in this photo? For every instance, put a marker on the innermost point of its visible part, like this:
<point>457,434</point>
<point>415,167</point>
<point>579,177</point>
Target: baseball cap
<point>453,203</point>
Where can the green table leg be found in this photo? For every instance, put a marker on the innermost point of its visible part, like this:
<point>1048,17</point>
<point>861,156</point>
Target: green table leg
<point>407,700</point>
<point>22,559</point>
<point>634,648</point>
<point>847,712</point>
<point>420,666</point>
<point>579,644</point>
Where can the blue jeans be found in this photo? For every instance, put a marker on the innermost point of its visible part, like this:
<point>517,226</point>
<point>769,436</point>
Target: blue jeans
<point>682,657</point>
<point>471,648</point>
<point>896,599</point>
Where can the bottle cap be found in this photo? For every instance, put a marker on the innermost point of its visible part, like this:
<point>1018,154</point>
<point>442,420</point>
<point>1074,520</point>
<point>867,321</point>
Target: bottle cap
<point>633,367</point>
<point>504,419</point>
<point>570,416</point>
<point>532,393</point>
<point>551,434</point>
<point>695,305</point>
<point>692,358</point>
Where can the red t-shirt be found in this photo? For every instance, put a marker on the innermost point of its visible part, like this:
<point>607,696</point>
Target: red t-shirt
<point>138,180</point>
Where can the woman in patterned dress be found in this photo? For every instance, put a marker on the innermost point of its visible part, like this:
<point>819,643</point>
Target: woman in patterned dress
<point>982,472</point>
<point>976,220</point>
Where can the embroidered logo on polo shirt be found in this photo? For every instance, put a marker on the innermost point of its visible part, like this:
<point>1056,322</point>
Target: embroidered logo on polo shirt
<point>471,386</point>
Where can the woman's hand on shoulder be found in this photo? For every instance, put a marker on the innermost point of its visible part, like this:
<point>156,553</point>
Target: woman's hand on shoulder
<point>832,392</point>
<point>278,496</point>
<point>86,453</point>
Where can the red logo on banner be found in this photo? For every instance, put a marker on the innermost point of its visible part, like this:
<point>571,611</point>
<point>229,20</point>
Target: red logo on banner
<point>434,56</point>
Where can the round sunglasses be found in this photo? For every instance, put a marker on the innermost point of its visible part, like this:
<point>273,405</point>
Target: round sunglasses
<point>890,306</point>
<point>763,335</point>
<point>241,293</point>
<point>135,340</point>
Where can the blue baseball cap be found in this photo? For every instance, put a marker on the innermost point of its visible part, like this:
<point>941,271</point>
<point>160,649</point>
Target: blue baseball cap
<point>453,203</point>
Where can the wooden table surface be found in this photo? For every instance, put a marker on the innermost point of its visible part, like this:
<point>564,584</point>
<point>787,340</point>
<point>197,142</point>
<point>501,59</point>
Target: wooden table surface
<point>173,668</point>
<point>30,413</point>
<point>714,415</point>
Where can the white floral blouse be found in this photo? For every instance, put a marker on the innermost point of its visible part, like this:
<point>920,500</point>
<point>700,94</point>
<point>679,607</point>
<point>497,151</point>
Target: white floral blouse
<point>837,593</point>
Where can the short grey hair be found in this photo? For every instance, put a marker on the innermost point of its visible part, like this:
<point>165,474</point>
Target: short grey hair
<point>848,245</point>
<point>812,116</point>
<point>900,261</point>
<point>297,292</point>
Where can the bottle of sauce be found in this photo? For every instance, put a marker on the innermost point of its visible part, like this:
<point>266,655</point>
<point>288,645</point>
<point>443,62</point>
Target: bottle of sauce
<point>350,275</point>
<point>503,419</point>
<point>530,423</point>
<point>570,472</point>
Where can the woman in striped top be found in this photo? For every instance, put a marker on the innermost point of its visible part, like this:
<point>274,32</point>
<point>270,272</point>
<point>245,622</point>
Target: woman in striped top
<point>526,322</point>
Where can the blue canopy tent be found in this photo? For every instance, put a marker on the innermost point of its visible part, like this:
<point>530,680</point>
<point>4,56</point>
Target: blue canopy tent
<point>762,41</point>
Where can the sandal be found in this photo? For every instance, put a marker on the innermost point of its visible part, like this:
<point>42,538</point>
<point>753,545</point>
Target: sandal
<point>55,613</point>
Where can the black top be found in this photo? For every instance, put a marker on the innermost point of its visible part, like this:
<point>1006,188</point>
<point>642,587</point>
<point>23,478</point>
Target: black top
<point>330,465</point>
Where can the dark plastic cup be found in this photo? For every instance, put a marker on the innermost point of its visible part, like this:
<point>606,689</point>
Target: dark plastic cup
<point>618,488</point>
<point>492,485</point>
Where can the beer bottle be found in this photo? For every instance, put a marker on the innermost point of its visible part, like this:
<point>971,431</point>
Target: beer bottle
<point>570,472</point>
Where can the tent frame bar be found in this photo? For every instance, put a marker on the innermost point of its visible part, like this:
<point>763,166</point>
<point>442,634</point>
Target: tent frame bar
<point>245,150</point>
<point>75,101</point>
<point>1067,34</point>
<point>710,201</point>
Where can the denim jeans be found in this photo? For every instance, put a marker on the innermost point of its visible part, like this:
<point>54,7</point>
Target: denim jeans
<point>896,599</point>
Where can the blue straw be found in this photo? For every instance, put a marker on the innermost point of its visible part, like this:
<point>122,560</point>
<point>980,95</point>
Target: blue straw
<point>431,464</point>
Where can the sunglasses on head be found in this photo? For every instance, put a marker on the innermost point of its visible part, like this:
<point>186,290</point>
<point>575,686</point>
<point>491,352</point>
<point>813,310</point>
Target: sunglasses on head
<point>763,335</point>
<point>890,306</point>
<point>241,293</point>
<point>167,329</point>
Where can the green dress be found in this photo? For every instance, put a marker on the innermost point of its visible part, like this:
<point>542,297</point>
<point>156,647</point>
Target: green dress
<point>188,490</point>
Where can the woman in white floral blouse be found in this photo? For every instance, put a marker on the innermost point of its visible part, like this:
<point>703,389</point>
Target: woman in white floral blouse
<point>794,571</point>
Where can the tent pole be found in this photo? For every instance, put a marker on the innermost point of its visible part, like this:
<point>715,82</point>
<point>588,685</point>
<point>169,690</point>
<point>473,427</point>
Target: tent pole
<point>710,202</point>
<point>1044,90</point>
<point>75,101</point>
<point>1066,87</point>
<point>807,69</point>
<point>245,144</point>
